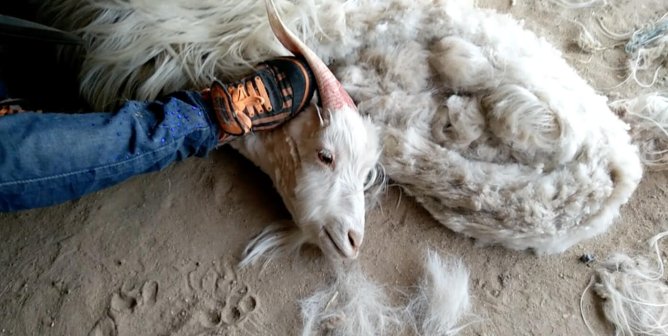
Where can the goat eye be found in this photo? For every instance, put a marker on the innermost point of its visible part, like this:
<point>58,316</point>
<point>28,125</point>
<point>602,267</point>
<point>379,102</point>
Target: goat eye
<point>325,156</point>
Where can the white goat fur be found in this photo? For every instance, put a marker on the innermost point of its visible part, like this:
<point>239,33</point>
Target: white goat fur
<point>352,305</point>
<point>355,305</point>
<point>442,299</point>
<point>648,116</point>
<point>635,292</point>
<point>476,114</point>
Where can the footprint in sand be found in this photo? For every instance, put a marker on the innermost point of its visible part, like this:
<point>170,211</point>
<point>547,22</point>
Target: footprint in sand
<point>105,326</point>
<point>226,311</point>
<point>131,297</point>
<point>122,305</point>
<point>223,301</point>
<point>213,301</point>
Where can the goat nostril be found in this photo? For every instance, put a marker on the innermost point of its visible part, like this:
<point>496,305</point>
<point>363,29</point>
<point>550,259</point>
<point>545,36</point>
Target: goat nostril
<point>354,238</point>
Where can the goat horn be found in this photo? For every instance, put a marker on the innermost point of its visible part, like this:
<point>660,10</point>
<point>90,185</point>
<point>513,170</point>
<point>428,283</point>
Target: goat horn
<point>332,94</point>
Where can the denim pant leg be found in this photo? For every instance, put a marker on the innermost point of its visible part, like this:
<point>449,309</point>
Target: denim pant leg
<point>48,158</point>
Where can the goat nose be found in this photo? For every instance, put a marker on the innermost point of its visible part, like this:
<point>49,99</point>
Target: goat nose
<point>355,239</point>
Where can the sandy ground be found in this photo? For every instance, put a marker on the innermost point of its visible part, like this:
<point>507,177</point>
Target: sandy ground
<point>156,254</point>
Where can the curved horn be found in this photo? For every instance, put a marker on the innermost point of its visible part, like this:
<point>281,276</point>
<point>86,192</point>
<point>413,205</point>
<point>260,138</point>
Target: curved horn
<point>332,94</point>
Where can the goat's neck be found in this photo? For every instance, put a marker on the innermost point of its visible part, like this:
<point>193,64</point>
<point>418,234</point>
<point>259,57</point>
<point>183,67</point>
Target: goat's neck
<point>277,155</point>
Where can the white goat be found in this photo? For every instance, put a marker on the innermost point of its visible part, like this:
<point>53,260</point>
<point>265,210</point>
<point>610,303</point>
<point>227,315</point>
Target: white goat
<point>475,113</point>
<point>326,199</point>
<point>321,163</point>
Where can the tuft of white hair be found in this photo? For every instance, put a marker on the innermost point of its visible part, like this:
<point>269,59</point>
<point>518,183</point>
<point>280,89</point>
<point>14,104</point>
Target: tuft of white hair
<point>647,48</point>
<point>635,293</point>
<point>648,116</point>
<point>352,305</point>
<point>275,240</point>
<point>442,299</point>
<point>355,305</point>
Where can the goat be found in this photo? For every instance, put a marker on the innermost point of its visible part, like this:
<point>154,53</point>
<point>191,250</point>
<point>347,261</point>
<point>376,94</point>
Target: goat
<point>320,162</point>
<point>474,112</point>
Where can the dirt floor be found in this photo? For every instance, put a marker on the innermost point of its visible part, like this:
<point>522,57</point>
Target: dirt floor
<point>156,254</point>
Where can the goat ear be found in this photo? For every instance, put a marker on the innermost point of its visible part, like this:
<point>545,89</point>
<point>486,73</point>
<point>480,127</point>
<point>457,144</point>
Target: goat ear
<point>324,116</point>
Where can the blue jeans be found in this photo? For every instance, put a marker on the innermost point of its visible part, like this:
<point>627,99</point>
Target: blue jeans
<point>48,158</point>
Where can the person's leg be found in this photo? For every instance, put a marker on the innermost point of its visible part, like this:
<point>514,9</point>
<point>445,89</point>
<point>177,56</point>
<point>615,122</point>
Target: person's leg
<point>48,158</point>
